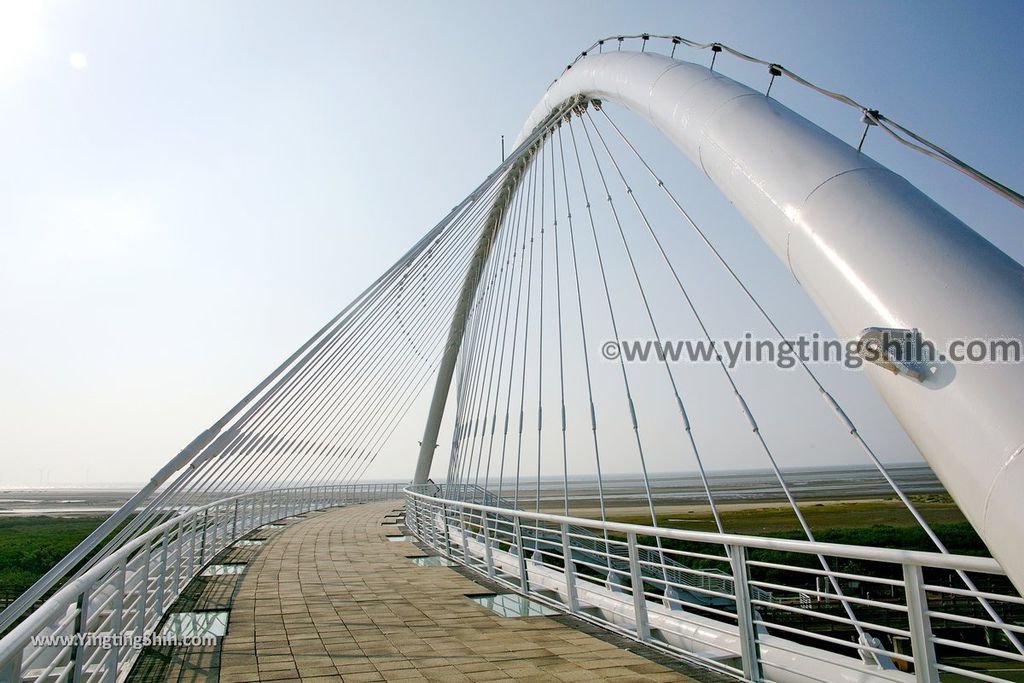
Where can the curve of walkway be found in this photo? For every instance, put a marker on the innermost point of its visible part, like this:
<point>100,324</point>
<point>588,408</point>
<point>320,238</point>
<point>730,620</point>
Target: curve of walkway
<point>331,599</point>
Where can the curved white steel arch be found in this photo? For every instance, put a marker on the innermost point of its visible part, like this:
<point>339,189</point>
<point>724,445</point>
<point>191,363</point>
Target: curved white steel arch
<point>868,247</point>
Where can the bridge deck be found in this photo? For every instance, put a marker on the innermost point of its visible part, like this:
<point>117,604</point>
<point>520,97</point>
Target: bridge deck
<point>329,599</point>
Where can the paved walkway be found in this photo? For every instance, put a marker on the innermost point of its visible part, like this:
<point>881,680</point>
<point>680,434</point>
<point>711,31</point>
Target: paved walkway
<point>330,599</point>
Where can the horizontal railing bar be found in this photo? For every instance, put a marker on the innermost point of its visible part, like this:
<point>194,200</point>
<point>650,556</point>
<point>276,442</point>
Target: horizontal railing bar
<point>702,591</point>
<point>832,596</point>
<point>671,552</point>
<point>599,550</point>
<point>808,655</point>
<point>821,572</point>
<point>702,608</point>
<point>971,647</point>
<point>976,675</point>
<point>982,565</point>
<point>1012,599</point>
<point>835,641</point>
<point>977,622</point>
<point>807,613</point>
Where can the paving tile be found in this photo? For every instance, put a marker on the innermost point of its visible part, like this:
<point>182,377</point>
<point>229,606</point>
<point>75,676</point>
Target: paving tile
<point>328,599</point>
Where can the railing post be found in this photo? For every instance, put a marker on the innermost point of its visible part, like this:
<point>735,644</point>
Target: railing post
<point>523,581</point>
<point>162,576</point>
<point>143,588</point>
<point>434,531</point>
<point>409,514</point>
<point>444,528</point>
<point>925,662</point>
<point>234,524</point>
<point>202,542</point>
<point>570,571</point>
<point>179,543</point>
<point>116,623</point>
<point>488,555</point>
<point>192,544</point>
<point>636,579</point>
<point>78,655</point>
<point>465,539</point>
<point>215,532</point>
<point>745,614</point>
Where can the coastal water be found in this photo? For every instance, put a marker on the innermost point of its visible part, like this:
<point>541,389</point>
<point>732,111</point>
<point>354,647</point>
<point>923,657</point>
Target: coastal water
<point>679,488</point>
<point>744,486</point>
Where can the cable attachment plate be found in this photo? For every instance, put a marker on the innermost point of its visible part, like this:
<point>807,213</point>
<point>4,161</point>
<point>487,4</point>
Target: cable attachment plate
<point>901,351</point>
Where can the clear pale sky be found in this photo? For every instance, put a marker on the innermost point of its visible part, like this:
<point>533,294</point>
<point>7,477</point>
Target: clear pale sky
<point>189,189</point>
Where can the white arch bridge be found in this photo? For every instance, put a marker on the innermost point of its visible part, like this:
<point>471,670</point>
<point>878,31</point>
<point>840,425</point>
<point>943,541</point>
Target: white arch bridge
<point>529,295</point>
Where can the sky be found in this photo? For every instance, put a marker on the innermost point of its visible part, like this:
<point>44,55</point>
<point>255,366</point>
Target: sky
<point>189,189</point>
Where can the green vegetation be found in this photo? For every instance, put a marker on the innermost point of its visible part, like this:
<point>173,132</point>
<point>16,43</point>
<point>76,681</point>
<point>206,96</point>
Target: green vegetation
<point>30,546</point>
<point>776,519</point>
<point>872,523</point>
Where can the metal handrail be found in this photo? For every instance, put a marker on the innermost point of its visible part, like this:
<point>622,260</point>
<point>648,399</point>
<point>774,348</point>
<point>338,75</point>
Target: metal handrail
<point>799,634</point>
<point>985,565</point>
<point>131,589</point>
<point>681,574</point>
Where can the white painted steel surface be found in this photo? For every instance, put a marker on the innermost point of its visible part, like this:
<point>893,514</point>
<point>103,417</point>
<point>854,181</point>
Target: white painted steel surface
<point>871,251</point>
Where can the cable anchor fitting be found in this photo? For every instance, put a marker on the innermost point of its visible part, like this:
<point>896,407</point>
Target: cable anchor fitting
<point>774,70</point>
<point>869,117</point>
<point>715,49</point>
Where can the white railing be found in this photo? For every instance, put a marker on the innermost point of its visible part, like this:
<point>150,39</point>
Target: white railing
<point>92,628</point>
<point>769,610</point>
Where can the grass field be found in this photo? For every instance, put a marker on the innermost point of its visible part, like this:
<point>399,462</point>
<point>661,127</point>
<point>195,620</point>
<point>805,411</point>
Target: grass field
<point>29,546</point>
<point>774,518</point>
<point>875,522</point>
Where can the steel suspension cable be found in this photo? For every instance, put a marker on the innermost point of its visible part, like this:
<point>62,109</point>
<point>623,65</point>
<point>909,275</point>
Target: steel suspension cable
<point>472,382</point>
<point>583,339</point>
<point>561,356</point>
<point>687,427</point>
<point>526,340</point>
<point>614,322</point>
<point>834,405</point>
<point>756,430</point>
